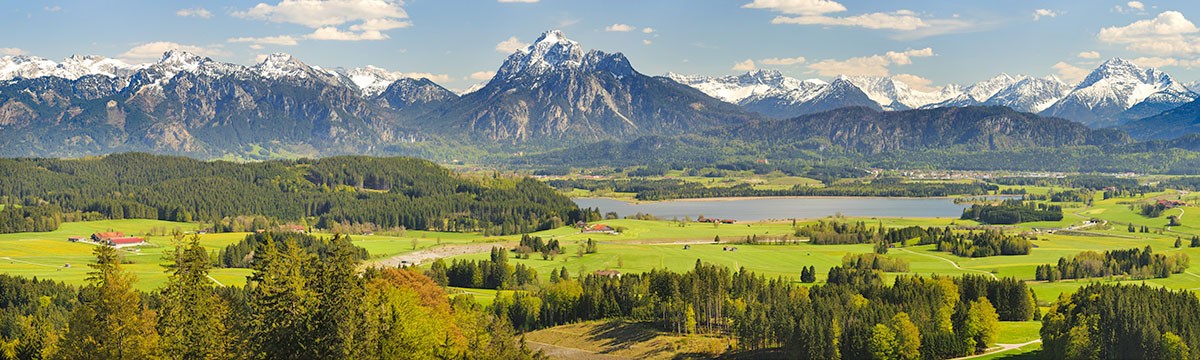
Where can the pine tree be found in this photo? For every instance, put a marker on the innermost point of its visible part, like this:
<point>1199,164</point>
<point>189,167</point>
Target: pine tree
<point>111,323</point>
<point>280,302</point>
<point>193,321</point>
<point>337,321</point>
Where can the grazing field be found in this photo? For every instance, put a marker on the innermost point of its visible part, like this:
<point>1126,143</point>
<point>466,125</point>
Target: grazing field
<point>620,339</point>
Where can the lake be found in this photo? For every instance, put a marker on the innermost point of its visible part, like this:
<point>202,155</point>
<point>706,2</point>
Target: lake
<point>754,209</point>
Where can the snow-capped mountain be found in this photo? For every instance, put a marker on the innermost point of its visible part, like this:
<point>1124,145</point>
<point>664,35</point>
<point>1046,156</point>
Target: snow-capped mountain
<point>1030,94</point>
<point>735,88</point>
<point>371,80</point>
<point>893,94</point>
<point>1118,90</point>
<point>1021,93</point>
<point>71,68</point>
<point>554,90</point>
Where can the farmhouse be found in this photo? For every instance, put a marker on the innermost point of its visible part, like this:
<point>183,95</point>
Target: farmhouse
<point>1171,203</point>
<point>125,241</point>
<point>75,239</point>
<point>293,228</point>
<point>103,237</point>
<point>598,229</point>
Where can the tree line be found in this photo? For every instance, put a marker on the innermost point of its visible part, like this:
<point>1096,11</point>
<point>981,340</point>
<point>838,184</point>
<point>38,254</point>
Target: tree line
<point>952,316</point>
<point>386,192</point>
<point>1114,321</point>
<point>1135,263</point>
<point>241,253</point>
<point>669,189</point>
<point>1012,211</point>
<point>294,306</point>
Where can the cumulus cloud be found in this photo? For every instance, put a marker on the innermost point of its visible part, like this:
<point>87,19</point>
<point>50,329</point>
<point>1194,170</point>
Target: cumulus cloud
<point>620,28</point>
<point>647,42</point>
<point>916,82</point>
<point>1157,62</point>
<point>1089,55</point>
<point>344,20</point>
<point>284,40</point>
<point>194,12</point>
<point>818,12</point>
<point>797,7</point>
<point>1136,5</point>
<point>438,78</point>
<point>1070,73</point>
<point>11,51</point>
<point>784,61</point>
<point>1168,34</point>
<point>648,30</point>
<point>1041,13</point>
<point>511,45</point>
<point>482,75</point>
<point>333,33</point>
<point>746,65</point>
<point>874,65</point>
<point>154,50</point>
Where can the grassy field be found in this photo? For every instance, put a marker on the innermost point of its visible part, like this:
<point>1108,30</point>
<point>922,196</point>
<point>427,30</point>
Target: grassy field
<point>624,340</point>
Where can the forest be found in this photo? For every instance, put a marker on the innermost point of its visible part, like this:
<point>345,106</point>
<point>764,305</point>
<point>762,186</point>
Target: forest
<point>980,243</point>
<point>1107,321</point>
<point>296,306</point>
<point>385,192</point>
<point>1135,263</point>
<point>1012,211</point>
<point>919,317</point>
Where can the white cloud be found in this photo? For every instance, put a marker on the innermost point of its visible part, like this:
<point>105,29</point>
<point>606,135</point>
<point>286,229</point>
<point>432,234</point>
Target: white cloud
<point>333,33</point>
<point>511,45</point>
<point>366,18</point>
<point>518,1</point>
<point>874,65</point>
<point>1041,13</point>
<point>648,30</point>
<point>438,78</point>
<point>916,82</point>
<point>154,50</point>
<point>900,20</point>
<point>1136,5</point>
<point>1070,73</point>
<point>1157,62</point>
<point>284,40</point>
<point>620,28</point>
<point>1089,55</point>
<point>746,65</point>
<point>11,51</point>
<point>260,58</point>
<point>482,75</point>
<point>1168,34</point>
<point>54,8</point>
<point>797,7</point>
<point>194,12</point>
<point>647,42</point>
<point>784,61</point>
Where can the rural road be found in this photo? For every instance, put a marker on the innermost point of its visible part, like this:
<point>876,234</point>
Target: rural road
<point>430,254</point>
<point>949,261</point>
<point>1003,348</point>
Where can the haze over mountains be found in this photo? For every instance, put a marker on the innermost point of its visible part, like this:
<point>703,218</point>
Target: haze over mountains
<point>552,93</point>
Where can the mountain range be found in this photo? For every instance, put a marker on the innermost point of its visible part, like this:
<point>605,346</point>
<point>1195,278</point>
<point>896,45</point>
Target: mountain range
<point>551,94</point>
<point>1115,92</point>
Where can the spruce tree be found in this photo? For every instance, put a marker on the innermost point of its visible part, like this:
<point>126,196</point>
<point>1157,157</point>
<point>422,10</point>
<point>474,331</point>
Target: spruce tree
<point>193,321</point>
<point>111,323</point>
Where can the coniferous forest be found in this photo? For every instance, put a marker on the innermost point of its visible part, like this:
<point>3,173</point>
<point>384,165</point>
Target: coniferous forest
<point>386,192</point>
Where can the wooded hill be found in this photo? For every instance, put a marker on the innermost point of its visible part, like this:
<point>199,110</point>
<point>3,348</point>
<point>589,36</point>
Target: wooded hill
<point>386,192</point>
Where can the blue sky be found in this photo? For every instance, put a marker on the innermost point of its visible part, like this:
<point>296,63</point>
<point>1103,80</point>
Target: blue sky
<point>459,42</point>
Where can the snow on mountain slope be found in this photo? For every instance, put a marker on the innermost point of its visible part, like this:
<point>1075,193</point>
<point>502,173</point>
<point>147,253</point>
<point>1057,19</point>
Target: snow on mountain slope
<point>74,67</point>
<point>372,80</point>
<point>1030,94</point>
<point>735,88</point>
<point>1116,86</point>
<point>892,94</point>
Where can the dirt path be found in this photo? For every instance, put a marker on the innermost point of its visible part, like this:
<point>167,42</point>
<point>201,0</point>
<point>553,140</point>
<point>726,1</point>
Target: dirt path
<point>561,352</point>
<point>431,254</point>
<point>1002,348</point>
<point>949,261</point>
